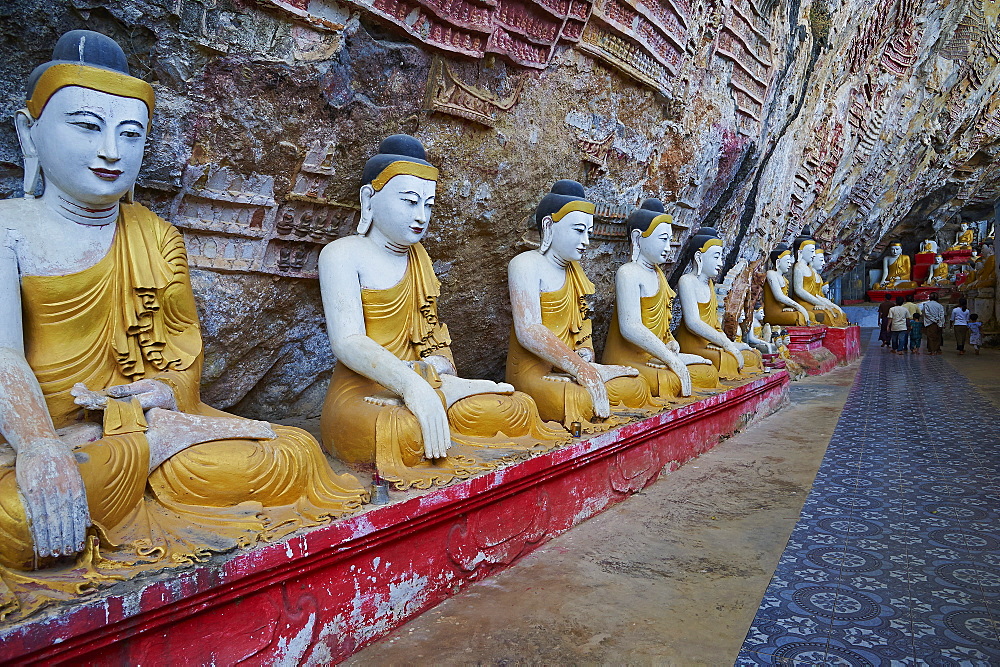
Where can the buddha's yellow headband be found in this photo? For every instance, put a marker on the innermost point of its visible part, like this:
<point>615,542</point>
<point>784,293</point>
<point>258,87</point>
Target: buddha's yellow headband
<point>576,205</point>
<point>806,242</point>
<point>819,251</point>
<point>784,253</point>
<point>401,167</point>
<point>62,75</point>
<point>656,222</point>
<point>709,243</point>
<point>899,244</point>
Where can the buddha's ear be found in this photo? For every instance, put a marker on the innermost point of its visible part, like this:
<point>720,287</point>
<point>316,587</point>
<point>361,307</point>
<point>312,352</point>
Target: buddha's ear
<point>365,221</point>
<point>546,234</point>
<point>635,244</point>
<point>32,170</point>
<point>697,262</point>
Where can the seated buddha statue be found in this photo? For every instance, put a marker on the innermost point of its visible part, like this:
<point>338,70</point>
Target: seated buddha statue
<point>807,284</point>
<point>758,335</point>
<point>964,238</point>
<point>929,245</point>
<point>937,275</point>
<point>779,308</point>
<point>895,270</point>
<point>701,331</point>
<point>640,334</point>
<point>986,273</point>
<point>105,440</point>
<point>836,317</point>
<point>551,354</point>
<point>396,406</point>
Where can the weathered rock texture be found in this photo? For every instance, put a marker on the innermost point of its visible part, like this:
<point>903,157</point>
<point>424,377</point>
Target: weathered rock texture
<point>866,120</point>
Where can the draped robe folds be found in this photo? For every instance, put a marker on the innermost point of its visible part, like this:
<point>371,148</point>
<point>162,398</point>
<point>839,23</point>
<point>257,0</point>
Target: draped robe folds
<point>778,314</point>
<point>368,427</point>
<point>898,275</point>
<point>725,363</point>
<point>939,276</point>
<point>559,397</point>
<point>662,381</point>
<point>813,284</point>
<point>964,240</point>
<point>132,316</point>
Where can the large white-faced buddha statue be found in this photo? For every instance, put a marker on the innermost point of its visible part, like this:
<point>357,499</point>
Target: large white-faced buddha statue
<point>641,332</point>
<point>551,354</point>
<point>779,308</point>
<point>396,406</point>
<point>105,440</point>
<point>701,331</point>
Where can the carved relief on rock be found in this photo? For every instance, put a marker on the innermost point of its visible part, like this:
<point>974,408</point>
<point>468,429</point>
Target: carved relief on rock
<point>745,41</point>
<point>448,93</point>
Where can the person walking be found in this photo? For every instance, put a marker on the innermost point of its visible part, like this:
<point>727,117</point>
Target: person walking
<point>898,316</point>
<point>884,334</point>
<point>915,333</point>
<point>933,317</point>
<point>975,332</point>
<point>960,321</point>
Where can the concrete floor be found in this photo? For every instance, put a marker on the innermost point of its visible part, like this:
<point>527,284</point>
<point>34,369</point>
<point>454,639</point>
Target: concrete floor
<point>674,575</point>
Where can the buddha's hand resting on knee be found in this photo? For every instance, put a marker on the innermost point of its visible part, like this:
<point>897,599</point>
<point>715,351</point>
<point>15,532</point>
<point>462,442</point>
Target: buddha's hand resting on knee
<point>55,499</point>
<point>455,388</point>
<point>425,404</point>
<point>590,378</point>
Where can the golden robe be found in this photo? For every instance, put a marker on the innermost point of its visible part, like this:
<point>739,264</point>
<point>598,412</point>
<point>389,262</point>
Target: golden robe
<point>898,275</point>
<point>368,427</point>
<point>777,313</point>
<point>725,363</point>
<point>964,240</point>
<point>983,277</point>
<point>813,284</point>
<point>132,316</point>
<point>939,276</point>
<point>662,381</point>
<point>559,398</point>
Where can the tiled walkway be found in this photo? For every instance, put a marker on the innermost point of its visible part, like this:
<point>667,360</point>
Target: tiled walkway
<point>896,556</point>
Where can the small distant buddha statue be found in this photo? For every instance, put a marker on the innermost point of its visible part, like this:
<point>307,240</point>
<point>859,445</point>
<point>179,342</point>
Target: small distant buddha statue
<point>551,354</point>
<point>964,238</point>
<point>779,308</point>
<point>396,406</point>
<point>640,334</point>
<point>895,270</point>
<point>758,335</point>
<point>986,272</point>
<point>929,245</point>
<point>101,418</point>
<point>937,275</point>
<point>836,317</point>
<point>701,331</point>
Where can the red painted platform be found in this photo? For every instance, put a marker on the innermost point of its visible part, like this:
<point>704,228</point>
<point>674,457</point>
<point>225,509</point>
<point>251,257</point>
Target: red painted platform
<point>844,343</point>
<point>320,596</point>
<point>956,256</point>
<point>806,347</point>
<point>878,295</point>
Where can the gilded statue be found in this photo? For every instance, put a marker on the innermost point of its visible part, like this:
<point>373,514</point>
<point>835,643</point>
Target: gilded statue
<point>807,284</point>
<point>964,238</point>
<point>551,354</point>
<point>937,274</point>
<point>640,335</point>
<point>396,406</point>
<point>701,331</point>
<point>110,463</point>
<point>779,308</point>
<point>835,315</point>
<point>895,270</point>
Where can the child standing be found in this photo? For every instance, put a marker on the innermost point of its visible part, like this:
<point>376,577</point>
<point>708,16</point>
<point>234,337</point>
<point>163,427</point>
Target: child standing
<point>916,327</point>
<point>975,332</point>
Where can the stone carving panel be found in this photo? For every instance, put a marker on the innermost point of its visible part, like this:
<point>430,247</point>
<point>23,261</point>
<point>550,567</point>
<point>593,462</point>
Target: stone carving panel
<point>745,41</point>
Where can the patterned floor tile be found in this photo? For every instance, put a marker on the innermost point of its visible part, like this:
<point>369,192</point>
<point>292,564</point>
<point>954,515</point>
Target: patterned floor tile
<point>895,559</point>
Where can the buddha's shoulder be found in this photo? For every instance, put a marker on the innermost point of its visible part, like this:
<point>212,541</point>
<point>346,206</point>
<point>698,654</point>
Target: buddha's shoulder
<point>353,250</point>
<point>20,212</point>
<point>528,260</point>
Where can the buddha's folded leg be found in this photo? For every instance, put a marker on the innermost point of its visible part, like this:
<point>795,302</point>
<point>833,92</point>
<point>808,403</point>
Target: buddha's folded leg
<point>503,421</point>
<point>704,376</point>
<point>785,318</point>
<point>632,393</point>
<point>753,362</point>
<point>287,476</point>
<point>113,470</point>
<point>663,382</point>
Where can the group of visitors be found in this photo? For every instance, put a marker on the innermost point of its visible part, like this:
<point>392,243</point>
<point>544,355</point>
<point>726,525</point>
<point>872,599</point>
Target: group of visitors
<point>905,324</point>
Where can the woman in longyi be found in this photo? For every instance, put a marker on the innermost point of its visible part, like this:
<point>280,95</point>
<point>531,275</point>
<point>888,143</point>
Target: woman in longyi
<point>395,405</point>
<point>100,362</point>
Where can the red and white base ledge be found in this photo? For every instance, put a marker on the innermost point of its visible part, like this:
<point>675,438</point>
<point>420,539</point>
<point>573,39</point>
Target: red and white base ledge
<point>320,596</point>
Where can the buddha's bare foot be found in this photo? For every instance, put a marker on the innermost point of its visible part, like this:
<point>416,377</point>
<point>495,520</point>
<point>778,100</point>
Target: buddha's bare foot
<point>87,398</point>
<point>171,432</point>
<point>610,372</point>
<point>693,359</point>
<point>455,388</point>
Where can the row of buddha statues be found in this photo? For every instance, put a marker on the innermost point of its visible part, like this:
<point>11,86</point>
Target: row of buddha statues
<point>110,463</point>
<point>897,268</point>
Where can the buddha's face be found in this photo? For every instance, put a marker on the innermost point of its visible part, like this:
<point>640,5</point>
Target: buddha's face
<point>570,235</point>
<point>964,226</point>
<point>784,263</point>
<point>938,259</point>
<point>895,250</point>
<point>711,261</point>
<point>818,261</point>
<point>89,144</point>
<point>806,252</point>
<point>401,210</point>
<point>656,248</point>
